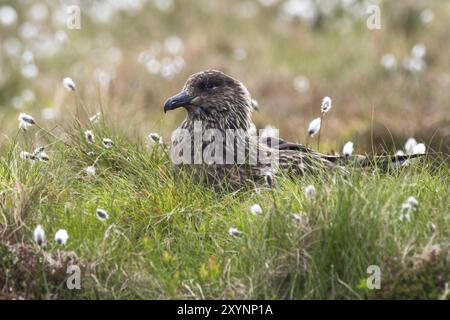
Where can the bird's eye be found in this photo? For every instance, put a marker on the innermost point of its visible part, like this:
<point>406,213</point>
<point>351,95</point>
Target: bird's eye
<point>212,84</point>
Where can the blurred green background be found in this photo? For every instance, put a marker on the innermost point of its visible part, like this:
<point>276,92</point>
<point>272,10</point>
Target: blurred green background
<point>130,55</point>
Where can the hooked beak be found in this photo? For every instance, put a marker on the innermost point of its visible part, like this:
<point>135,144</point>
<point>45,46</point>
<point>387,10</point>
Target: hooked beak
<point>179,100</point>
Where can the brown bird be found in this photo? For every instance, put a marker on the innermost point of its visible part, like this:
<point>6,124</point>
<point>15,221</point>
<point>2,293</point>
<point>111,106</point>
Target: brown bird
<point>216,144</point>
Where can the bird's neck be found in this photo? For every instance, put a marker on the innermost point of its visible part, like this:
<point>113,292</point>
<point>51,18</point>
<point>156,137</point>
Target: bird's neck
<point>217,119</point>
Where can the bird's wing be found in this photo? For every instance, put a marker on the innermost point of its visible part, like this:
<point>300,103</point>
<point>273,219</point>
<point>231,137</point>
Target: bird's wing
<point>281,144</point>
<point>362,160</point>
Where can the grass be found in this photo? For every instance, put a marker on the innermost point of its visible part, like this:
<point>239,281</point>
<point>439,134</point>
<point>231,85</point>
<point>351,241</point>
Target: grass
<point>167,237</point>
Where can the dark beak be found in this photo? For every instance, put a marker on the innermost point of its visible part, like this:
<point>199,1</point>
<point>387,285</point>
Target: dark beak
<point>179,100</point>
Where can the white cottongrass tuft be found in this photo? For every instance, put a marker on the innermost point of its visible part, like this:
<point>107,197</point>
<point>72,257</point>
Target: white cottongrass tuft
<point>419,51</point>
<point>39,235</point>
<point>107,143</point>
<point>37,154</point>
<point>427,16</point>
<point>102,215</point>
<point>25,121</point>
<point>413,201</point>
<point>235,232</point>
<point>347,150</point>
<point>268,179</point>
<point>256,209</point>
<point>26,118</point>
<point>89,136</point>
<point>40,154</point>
<point>38,151</point>
<point>389,62</point>
<point>298,217</point>
<point>420,149</point>
<point>405,213</point>
<point>314,127</point>
<point>310,192</point>
<point>94,119</point>
<point>301,84</point>
<point>69,84</point>
<point>61,236</point>
<point>410,205</point>
<point>155,138</point>
<point>90,170</point>
<point>24,155</point>
<point>414,64</point>
<point>326,105</point>
<point>412,147</point>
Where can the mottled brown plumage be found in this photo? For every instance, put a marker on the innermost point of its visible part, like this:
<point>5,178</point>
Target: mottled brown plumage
<point>222,102</point>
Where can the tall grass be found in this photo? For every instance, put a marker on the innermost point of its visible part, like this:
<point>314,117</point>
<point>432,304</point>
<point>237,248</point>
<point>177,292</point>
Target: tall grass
<point>167,237</point>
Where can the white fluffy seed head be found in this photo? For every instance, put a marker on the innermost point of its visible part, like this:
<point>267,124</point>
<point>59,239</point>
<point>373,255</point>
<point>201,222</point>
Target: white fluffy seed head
<point>24,125</point>
<point>410,205</point>
<point>347,150</point>
<point>326,105</point>
<point>406,206</point>
<point>389,62</point>
<point>24,155</point>
<point>61,236</point>
<point>256,209</point>
<point>102,215</point>
<point>410,144</point>
<point>25,121</point>
<point>310,192</point>
<point>155,138</point>
<point>89,136</point>
<point>419,149</point>
<point>38,150</point>
<point>43,156</point>
<point>419,51</point>
<point>69,84</point>
<point>301,84</point>
<point>412,201</point>
<point>39,235</point>
<point>314,127</point>
<point>427,16</point>
<point>268,179</point>
<point>94,119</point>
<point>90,170</point>
<point>107,143</point>
<point>26,118</point>
<point>412,147</point>
<point>235,232</point>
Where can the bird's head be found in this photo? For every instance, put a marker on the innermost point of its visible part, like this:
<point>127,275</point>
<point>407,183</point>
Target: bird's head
<point>213,95</point>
